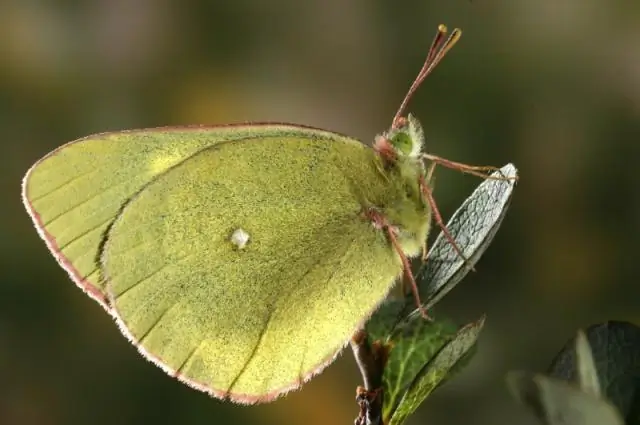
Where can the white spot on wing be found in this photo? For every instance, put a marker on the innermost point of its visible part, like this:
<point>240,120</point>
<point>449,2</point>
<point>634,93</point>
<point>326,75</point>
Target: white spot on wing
<point>239,238</point>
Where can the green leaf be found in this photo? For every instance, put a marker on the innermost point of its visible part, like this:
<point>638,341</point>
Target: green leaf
<point>433,373</point>
<point>587,372</point>
<point>615,347</point>
<point>473,227</point>
<point>557,402</point>
<point>383,322</point>
<point>411,347</point>
<point>424,354</point>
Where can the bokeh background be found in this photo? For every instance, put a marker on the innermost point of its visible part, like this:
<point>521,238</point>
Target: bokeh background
<point>552,86</point>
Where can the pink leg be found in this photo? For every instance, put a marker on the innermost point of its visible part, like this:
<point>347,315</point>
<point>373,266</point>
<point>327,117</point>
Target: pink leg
<point>476,170</point>
<point>381,223</point>
<point>436,214</point>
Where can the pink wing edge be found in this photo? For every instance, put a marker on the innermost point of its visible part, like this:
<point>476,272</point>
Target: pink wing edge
<point>240,398</point>
<point>96,295</point>
<point>82,283</point>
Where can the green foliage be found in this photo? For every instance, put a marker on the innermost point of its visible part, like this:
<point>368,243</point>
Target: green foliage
<point>615,347</point>
<point>408,356</point>
<point>592,381</point>
<point>473,226</point>
<point>556,402</point>
<point>435,371</point>
<point>412,346</point>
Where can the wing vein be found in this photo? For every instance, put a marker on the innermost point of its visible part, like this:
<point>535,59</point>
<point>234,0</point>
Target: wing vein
<point>68,182</point>
<point>333,273</point>
<point>149,276</point>
<point>189,357</point>
<point>263,332</point>
<point>76,238</point>
<point>155,323</point>
<point>89,199</point>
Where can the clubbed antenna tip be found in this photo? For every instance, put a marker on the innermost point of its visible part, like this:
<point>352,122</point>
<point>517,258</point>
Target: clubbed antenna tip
<point>439,48</point>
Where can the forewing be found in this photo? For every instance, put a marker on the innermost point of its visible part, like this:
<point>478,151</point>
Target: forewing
<point>74,193</point>
<point>251,323</point>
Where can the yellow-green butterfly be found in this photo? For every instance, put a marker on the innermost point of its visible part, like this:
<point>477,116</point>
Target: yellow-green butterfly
<point>239,258</point>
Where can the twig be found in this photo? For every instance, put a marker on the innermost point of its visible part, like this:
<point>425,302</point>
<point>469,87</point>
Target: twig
<point>371,359</point>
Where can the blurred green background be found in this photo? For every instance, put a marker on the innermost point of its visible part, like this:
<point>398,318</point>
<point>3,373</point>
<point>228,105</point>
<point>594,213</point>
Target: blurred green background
<point>553,86</point>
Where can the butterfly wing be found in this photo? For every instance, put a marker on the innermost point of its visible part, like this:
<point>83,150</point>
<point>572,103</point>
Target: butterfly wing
<point>74,193</point>
<point>251,323</point>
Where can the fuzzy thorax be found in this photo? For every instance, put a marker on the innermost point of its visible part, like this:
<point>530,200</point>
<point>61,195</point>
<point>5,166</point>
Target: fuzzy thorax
<point>400,149</point>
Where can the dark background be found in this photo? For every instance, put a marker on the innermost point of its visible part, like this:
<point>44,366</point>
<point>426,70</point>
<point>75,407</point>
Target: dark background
<point>552,86</point>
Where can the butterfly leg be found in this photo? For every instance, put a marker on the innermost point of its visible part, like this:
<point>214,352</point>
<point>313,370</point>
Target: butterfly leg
<point>476,170</point>
<point>380,222</point>
<point>438,217</point>
<point>428,180</point>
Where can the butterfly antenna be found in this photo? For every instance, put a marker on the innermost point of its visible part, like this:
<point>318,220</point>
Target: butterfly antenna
<point>439,48</point>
